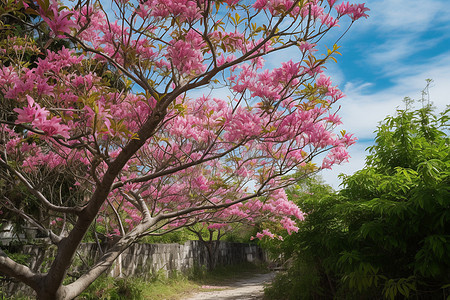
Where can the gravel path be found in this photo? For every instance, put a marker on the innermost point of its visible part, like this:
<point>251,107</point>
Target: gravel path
<point>245,289</point>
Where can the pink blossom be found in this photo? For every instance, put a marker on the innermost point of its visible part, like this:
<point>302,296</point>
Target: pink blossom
<point>334,118</point>
<point>306,46</point>
<point>201,182</point>
<point>331,2</point>
<point>184,10</point>
<point>359,11</point>
<point>312,10</point>
<point>30,112</point>
<point>355,11</point>
<point>328,20</point>
<point>52,127</point>
<point>39,118</point>
<point>274,6</point>
<point>216,226</point>
<point>186,55</point>
<point>222,59</point>
<point>59,21</point>
<point>259,235</point>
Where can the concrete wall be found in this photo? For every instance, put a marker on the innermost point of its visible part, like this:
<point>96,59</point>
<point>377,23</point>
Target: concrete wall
<point>143,260</point>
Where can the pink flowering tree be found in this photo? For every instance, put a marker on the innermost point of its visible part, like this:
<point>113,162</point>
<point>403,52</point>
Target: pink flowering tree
<point>201,125</point>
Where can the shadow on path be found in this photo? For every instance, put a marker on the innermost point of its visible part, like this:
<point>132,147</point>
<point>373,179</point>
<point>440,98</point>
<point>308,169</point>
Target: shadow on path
<point>245,289</point>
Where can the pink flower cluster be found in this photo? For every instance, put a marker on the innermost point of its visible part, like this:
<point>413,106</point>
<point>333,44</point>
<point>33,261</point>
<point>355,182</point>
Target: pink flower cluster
<point>205,151</point>
<point>313,9</point>
<point>186,55</point>
<point>338,154</point>
<point>38,117</point>
<point>355,11</point>
<point>59,20</point>
<point>184,10</point>
<point>275,6</point>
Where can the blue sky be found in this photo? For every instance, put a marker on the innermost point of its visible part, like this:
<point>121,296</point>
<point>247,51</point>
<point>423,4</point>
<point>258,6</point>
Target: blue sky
<point>386,58</point>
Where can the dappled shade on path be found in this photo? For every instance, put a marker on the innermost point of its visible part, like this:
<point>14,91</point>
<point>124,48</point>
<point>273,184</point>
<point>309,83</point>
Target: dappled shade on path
<point>244,289</point>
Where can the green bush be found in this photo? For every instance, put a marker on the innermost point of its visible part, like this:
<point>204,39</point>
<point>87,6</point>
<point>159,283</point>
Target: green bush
<point>127,288</point>
<point>311,252</point>
<point>302,281</point>
<point>108,288</point>
<point>386,234</point>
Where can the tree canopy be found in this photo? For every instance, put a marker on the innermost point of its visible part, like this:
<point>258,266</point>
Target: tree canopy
<point>157,115</point>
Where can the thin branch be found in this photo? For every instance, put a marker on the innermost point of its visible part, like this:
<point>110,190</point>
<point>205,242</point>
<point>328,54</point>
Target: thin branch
<point>19,271</point>
<point>39,195</point>
<point>175,169</point>
<point>143,205</point>
<point>119,221</point>
<point>53,237</point>
<point>145,85</point>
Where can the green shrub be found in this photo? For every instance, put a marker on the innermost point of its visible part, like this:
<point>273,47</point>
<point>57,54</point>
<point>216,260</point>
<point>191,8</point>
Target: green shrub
<point>108,288</point>
<point>127,288</point>
<point>386,234</point>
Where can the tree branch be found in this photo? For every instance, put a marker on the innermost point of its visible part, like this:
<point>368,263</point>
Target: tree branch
<point>53,237</point>
<point>19,271</point>
<point>175,169</point>
<point>72,290</point>
<point>39,195</point>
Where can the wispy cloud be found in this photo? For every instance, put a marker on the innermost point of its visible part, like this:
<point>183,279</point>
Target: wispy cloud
<point>389,57</point>
<point>399,31</point>
<point>397,16</point>
<point>361,112</point>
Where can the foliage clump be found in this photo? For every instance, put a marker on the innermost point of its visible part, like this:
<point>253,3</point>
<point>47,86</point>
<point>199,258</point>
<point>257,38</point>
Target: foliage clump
<point>386,234</point>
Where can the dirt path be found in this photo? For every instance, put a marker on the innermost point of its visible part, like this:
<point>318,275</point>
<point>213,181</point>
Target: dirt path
<point>245,289</point>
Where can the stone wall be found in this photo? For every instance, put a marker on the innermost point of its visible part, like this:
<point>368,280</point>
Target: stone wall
<point>142,260</point>
<point>154,258</point>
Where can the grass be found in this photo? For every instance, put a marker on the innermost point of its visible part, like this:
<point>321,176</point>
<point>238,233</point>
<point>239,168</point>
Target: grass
<point>176,287</point>
<point>158,286</point>
<point>171,289</point>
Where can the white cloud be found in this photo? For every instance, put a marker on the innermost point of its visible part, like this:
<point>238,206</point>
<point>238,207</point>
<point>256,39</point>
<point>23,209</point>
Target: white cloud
<point>392,16</point>
<point>361,112</point>
<point>334,71</point>
<point>391,52</point>
<point>399,29</point>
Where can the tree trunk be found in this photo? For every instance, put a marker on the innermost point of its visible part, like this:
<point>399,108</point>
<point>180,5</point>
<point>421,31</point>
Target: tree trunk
<point>45,294</point>
<point>212,248</point>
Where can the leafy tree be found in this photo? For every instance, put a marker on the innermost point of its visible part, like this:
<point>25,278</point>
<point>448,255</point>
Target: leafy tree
<point>310,253</point>
<point>151,155</point>
<point>399,206</point>
<point>386,233</point>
